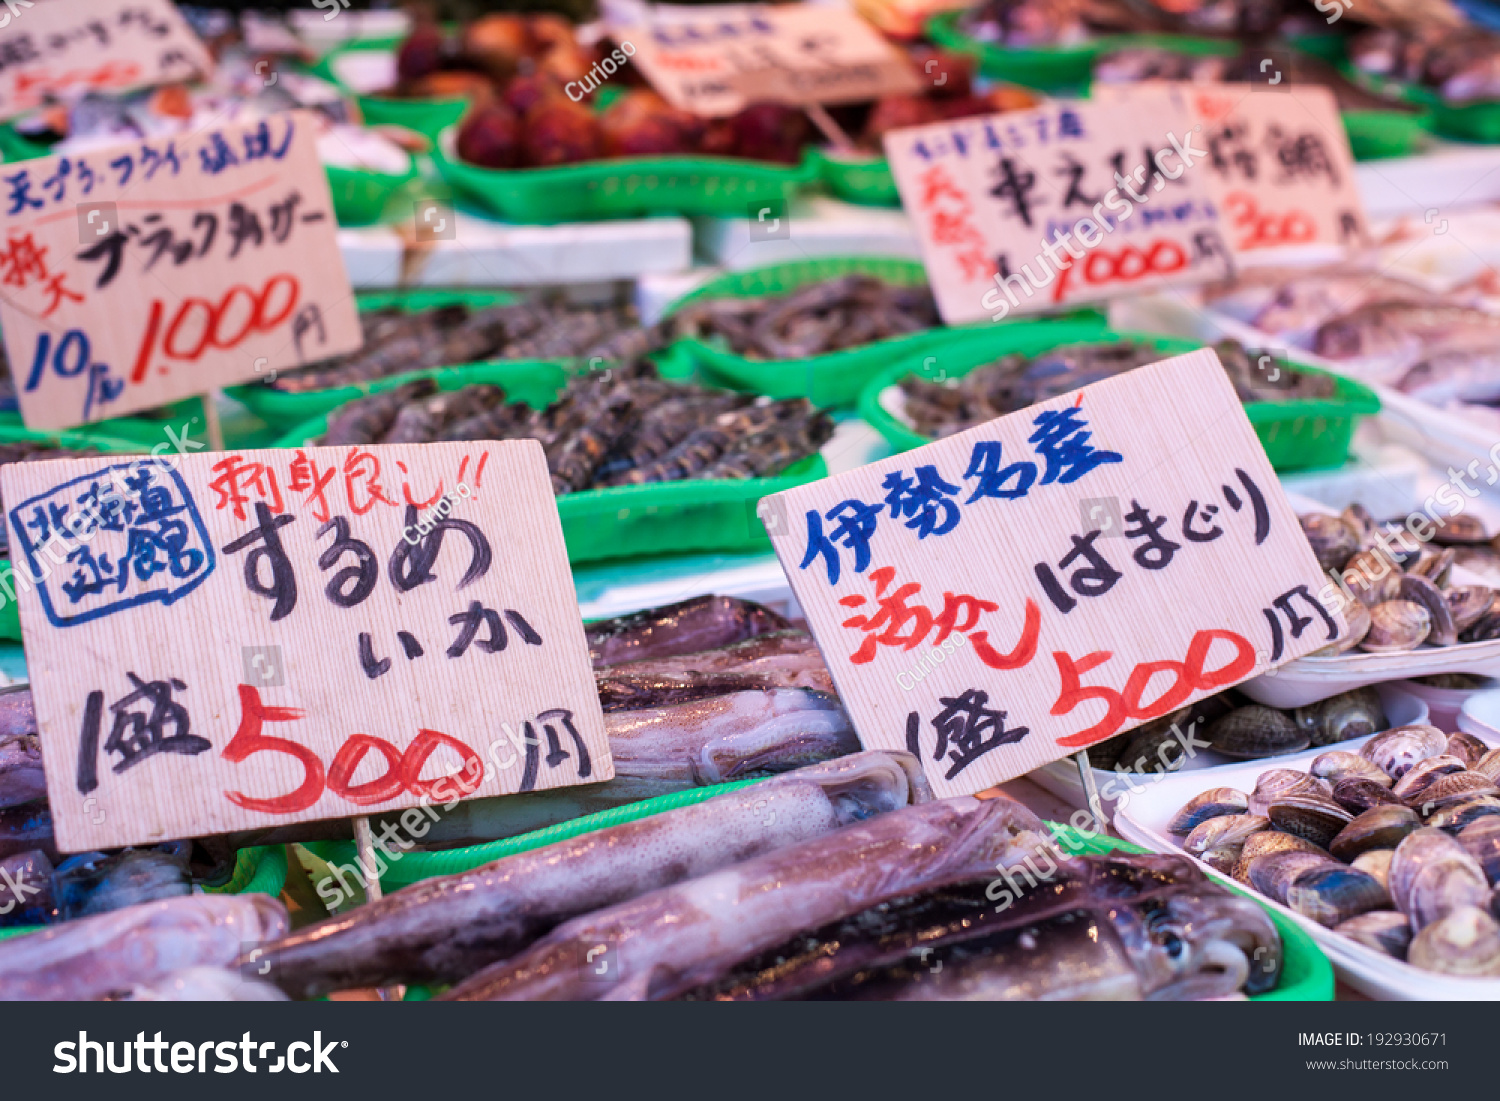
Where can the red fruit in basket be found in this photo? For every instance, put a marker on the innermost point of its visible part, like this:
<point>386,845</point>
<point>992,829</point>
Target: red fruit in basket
<point>423,52</point>
<point>771,132</point>
<point>895,112</point>
<point>963,107</point>
<point>527,90</point>
<point>548,30</point>
<point>641,123</point>
<point>568,61</point>
<point>949,76</point>
<point>490,136</point>
<point>559,131</point>
<point>718,138</point>
<point>497,43</point>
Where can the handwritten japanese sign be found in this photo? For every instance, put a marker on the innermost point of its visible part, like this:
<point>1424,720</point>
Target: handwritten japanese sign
<point>1067,203</point>
<point>240,639</point>
<point>1016,592</point>
<point>714,60</point>
<point>138,274</point>
<point>62,49</point>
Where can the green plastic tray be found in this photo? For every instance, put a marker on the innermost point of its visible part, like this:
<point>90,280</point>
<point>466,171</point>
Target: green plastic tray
<point>528,380</point>
<point>1046,68</point>
<point>256,871</point>
<point>832,379</point>
<point>685,517</point>
<point>428,116</point>
<point>623,187</point>
<point>1297,435</point>
<point>865,180</point>
<point>1306,974</point>
<point>1470,122</point>
<point>1374,134</point>
<point>10,618</point>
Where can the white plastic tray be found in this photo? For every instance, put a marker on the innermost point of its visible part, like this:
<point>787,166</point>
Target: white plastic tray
<point>1373,973</point>
<point>1402,708</point>
<point>1480,715</point>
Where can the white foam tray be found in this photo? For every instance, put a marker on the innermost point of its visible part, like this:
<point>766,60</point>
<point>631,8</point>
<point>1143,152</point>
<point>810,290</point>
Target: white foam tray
<point>1402,708</point>
<point>1144,821</point>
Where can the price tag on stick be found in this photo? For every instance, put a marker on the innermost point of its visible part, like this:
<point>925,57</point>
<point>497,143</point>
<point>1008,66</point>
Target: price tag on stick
<point>1070,202</point>
<point>1014,593</point>
<point>715,60</point>
<point>138,274</point>
<point>245,639</point>
<point>60,49</point>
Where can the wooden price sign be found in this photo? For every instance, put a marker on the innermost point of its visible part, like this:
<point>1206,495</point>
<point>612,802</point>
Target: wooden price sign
<point>1024,589</point>
<point>714,60</point>
<point>1069,202</point>
<point>245,639</point>
<point>138,274</point>
<point>64,48</point>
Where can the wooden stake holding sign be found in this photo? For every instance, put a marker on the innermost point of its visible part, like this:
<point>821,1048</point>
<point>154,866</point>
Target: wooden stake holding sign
<point>1279,163</point>
<point>138,274</point>
<point>1011,594</point>
<point>716,59</point>
<point>250,639</point>
<point>1066,203</point>
<point>64,48</point>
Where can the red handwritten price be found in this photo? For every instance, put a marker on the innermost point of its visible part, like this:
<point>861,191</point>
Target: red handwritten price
<point>1263,229</point>
<point>403,770</point>
<point>197,321</point>
<point>1188,676</point>
<point>1125,265</point>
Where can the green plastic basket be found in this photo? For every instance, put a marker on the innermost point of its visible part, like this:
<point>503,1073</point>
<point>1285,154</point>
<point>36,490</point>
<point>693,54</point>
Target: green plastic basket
<point>10,616</point>
<point>1306,973</point>
<point>623,187</point>
<point>866,180</point>
<point>531,381</point>
<point>1374,134</point>
<point>1467,122</point>
<point>832,379</point>
<point>256,871</point>
<point>1309,434</point>
<point>1046,68</point>
<point>696,516</point>
<point>428,116</point>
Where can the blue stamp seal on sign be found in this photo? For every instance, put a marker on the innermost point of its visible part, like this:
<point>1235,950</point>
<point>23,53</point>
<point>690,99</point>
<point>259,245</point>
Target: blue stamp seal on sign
<point>113,539</point>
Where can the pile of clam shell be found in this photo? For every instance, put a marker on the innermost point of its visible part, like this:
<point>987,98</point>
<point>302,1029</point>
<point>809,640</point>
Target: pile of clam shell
<point>1398,591</point>
<point>1396,846</point>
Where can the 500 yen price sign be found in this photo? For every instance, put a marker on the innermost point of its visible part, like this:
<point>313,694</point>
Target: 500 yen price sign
<point>138,274</point>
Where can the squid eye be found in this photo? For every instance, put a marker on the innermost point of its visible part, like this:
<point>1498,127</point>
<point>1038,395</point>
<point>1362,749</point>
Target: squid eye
<point>1174,945</point>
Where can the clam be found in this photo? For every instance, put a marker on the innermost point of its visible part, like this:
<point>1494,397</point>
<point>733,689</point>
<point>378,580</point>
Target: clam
<point>1222,832</point>
<point>1333,541</point>
<point>1273,874</point>
<point>1383,930</point>
<point>1357,623</point>
<point>1489,765</point>
<point>1467,748</point>
<point>1398,749</point>
<point>1364,526</point>
<point>1481,840</point>
<point>1340,764</point>
<point>1152,747</point>
<point>1265,842</point>
<point>1424,774</point>
<point>1276,782</point>
<point>1221,859</point>
<point>1256,731</point>
<point>1395,626</point>
<point>1484,629</point>
<point>1376,828</point>
<point>1372,577</point>
<point>1468,603</point>
<point>1456,817</point>
<point>1431,875</point>
<point>1339,718</point>
<point>1315,818</point>
<point>1208,804</point>
<point>1452,790</point>
<point>1332,893</point>
<point>1361,795</point>
<point>1376,862</point>
<point>1434,565</point>
<point>1419,590</point>
<point>1464,942</point>
<point>1459,530</point>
